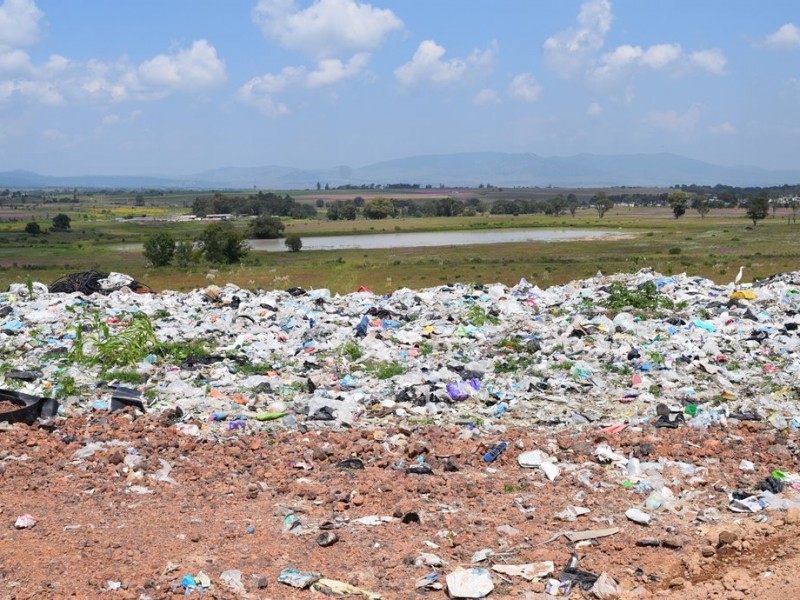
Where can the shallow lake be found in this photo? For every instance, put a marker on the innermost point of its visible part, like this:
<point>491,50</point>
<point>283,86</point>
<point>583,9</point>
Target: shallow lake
<point>433,238</point>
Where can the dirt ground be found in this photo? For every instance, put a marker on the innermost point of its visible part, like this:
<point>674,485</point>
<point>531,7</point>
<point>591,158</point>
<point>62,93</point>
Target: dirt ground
<point>154,503</point>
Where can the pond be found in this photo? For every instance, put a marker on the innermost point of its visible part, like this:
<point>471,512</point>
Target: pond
<point>434,238</point>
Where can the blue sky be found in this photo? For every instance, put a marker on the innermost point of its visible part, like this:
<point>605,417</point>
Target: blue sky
<point>174,87</point>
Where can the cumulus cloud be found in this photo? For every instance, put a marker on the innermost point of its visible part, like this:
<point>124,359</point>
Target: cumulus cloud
<point>594,109</point>
<point>725,128</point>
<point>327,28</point>
<point>524,87</point>
<point>61,80</point>
<point>568,51</point>
<point>192,69</point>
<point>19,29</point>
<point>673,121</point>
<point>260,91</point>
<point>19,23</point>
<point>787,37</point>
<point>428,67</point>
<point>486,97</point>
<point>713,61</point>
<point>577,52</point>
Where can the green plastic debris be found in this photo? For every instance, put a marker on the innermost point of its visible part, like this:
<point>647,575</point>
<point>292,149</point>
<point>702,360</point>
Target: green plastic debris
<point>690,409</point>
<point>271,416</point>
<point>627,484</point>
<point>778,475</point>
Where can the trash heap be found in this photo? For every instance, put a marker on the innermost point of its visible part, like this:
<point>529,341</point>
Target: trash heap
<point>627,348</point>
<point>545,383</point>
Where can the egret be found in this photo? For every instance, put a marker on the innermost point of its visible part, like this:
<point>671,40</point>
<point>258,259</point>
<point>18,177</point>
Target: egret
<point>738,276</point>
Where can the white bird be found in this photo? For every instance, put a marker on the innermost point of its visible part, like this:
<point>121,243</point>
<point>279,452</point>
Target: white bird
<point>738,277</point>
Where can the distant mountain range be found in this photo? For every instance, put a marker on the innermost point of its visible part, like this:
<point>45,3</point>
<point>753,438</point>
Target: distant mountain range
<point>450,170</point>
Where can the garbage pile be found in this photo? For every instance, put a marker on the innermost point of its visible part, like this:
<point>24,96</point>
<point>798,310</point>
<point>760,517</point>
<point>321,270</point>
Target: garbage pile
<point>619,411</point>
<point>676,351</point>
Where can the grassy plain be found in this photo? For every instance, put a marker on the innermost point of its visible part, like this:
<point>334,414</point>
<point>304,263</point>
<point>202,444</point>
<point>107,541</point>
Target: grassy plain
<point>713,247</point>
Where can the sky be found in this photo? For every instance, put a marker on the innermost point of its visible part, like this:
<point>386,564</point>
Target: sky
<point>154,87</point>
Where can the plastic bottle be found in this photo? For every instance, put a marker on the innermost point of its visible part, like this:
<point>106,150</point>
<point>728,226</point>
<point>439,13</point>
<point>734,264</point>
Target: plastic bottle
<point>495,452</point>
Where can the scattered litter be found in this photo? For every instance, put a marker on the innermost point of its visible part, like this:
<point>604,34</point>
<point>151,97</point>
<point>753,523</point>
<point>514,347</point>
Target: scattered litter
<point>469,583</point>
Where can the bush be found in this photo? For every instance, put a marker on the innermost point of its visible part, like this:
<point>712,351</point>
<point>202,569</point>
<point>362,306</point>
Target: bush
<point>33,228</point>
<point>674,250</point>
<point>159,249</point>
<point>293,242</point>
<point>266,228</point>
<point>223,244</point>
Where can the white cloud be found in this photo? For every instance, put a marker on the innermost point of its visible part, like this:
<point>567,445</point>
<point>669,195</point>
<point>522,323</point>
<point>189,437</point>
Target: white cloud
<point>725,128</point>
<point>594,109</point>
<point>712,61</point>
<point>19,23</point>
<point>331,71</point>
<point>524,87</point>
<point>14,61</point>
<point>787,37</point>
<point>427,66</point>
<point>111,119</point>
<point>61,80</point>
<point>260,91</point>
<point>674,122</point>
<point>568,52</point>
<point>486,97</point>
<point>326,28</point>
<point>660,55</point>
<point>193,69</point>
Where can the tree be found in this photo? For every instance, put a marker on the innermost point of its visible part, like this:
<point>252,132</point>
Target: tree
<point>794,204</point>
<point>701,205</point>
<point>184,254</point>
<point>221,243</point>
<point>602,203</point>
<point>266,228</point>
<point>33,228</point>
<point>348,211</point>
<point>320,203</point>
<point>558,205</point>
<point>293,242</point>
<point>61,222</point>
<point>572,204</point>
<point>678,202</point>
<point>379,208</point>
<point>139,200</point>
<point>757,209</point>
<point>159,249</point>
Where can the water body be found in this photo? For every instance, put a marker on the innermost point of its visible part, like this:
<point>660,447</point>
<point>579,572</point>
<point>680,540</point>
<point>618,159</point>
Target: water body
<point>437,238</point>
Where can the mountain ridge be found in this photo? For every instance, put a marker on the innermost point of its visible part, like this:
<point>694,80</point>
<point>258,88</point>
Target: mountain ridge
<point>465,169</point>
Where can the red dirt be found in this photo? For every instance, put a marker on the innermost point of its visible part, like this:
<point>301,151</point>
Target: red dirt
<point>94,525</point>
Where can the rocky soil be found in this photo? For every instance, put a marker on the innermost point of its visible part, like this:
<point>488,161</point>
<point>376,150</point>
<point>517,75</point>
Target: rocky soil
<point>127,505</point>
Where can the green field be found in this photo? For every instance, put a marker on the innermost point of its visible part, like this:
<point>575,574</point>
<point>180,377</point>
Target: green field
<point>713,247</point>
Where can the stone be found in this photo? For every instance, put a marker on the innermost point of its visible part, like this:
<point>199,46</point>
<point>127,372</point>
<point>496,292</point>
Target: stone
<point>727,537</point>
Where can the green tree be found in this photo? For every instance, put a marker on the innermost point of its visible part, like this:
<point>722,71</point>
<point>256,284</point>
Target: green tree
<point>757,209</point>
<point>139,200</point>
<point>320,203</point>
<point>348,211</point>
<point>572,204</point>
<point>602,203</point>
<point>266,228</point>
<point>701,205</point>
<point>378,208</point>
<point>558,205</point>
<point>293,242</point>
<point>159,249</point>
<point>184,254</point>
<point>795,206</point>
<point>61,222</point>
<point>221,243</point>
<point>33,228</point>
<point>678,202</point>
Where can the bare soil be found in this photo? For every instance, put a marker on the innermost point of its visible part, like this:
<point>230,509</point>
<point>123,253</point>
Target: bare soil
<point>104,523</point>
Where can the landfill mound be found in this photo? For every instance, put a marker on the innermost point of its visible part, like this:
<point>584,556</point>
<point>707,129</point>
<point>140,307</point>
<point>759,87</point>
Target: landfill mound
<point>619,436</point>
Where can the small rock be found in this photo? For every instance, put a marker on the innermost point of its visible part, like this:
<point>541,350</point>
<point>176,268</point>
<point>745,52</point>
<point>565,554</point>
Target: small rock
<point>727,537</point>
<point>708,551</point>
<point>792,515</point>
<point>673,542</point>
<point>678,582</point>
<point>357,500</point>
